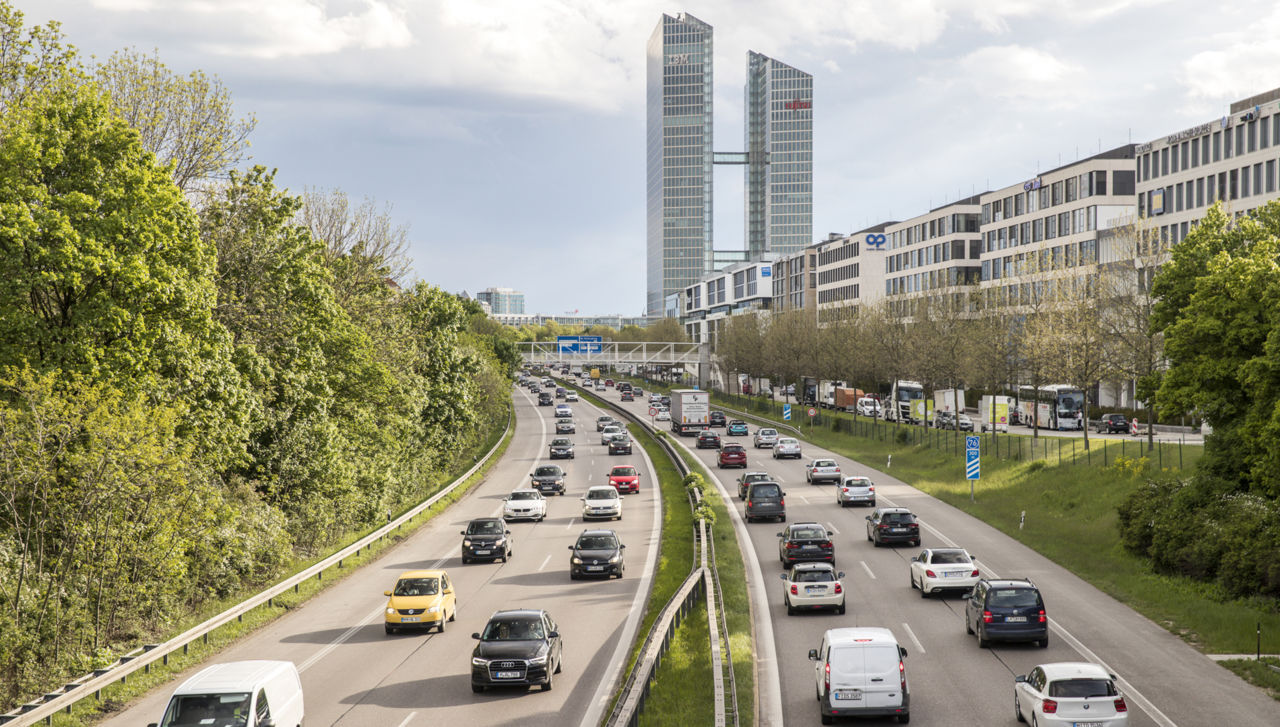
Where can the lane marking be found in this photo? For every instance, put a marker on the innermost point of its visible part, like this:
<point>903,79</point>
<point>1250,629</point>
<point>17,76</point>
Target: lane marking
<point>914,640</point>
<point>322,653</point>
<point>867,568</point>
<point>570,523</point>
<point>408,719</point>
<point>803,499</point>
<point>545,561</point>
<point>832,528</point>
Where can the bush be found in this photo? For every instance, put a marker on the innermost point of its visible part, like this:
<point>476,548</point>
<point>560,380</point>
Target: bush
<point>903,436</point>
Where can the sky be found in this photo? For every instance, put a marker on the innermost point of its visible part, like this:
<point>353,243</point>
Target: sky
<point>508,135</point>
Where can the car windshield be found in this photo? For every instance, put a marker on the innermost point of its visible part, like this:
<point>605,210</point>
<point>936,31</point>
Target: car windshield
<point>1082,688</point>
<point>546,471</point>
<point>484,527</point>
<point>813,576</point>
<point>1014,598</point>
<point>900,518</point>
<point>770,490</point>
<point>417,587</point>
<point>597,542</point>
<point>609,494</point>
<point>559,442</point>
<point>857,482</point>
<point>767,433</point>
<point>825,463</point>
<point>527,495</point>
<point>513,630</point>
<point>620,438</point>
<point>942,557</point>
<point>208,710</point>
<point>808,533</point>
<point>755,477</point>
<point>736,423</point>
<point>733,448</point>
<point>623,472</point>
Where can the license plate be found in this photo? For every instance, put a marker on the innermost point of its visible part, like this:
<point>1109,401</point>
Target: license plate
<point>409,619</point>
<point>508,675</point>
<point>595,567</point>
<point>898,530</point>
<point>815,589</point>
<point>953,574</point>
<point>1015,619</point>
<point>482,552</point>
<point>1086,724</point>
<point>849,694</point>
<point>808,547</point>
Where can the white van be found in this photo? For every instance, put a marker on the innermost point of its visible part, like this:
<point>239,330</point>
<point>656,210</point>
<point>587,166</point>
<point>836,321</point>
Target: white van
<point>860,672</point>
<point>238,694</point>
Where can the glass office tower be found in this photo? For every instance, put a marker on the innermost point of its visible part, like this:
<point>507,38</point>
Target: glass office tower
<point>779,138</point>
<point>679,179</point>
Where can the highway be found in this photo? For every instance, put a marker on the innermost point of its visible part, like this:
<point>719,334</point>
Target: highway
<point>952,681</point>
<point>354,674</point>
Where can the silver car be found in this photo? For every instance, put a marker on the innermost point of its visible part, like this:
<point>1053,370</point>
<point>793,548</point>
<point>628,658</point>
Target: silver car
<point>787,447</point>
<point>822,470</point>
<point>765,438</point>
<point>856,490</point>
<point>606,434</point>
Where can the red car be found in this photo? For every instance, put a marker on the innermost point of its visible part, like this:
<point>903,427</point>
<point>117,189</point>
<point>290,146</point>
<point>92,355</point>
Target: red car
<point>733,455</point>
<point>625,478</point>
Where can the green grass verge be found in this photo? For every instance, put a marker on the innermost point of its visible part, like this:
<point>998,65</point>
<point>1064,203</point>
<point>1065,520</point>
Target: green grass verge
<point>1264,674</point>
<point>679,693</point>
<point>116,696</point>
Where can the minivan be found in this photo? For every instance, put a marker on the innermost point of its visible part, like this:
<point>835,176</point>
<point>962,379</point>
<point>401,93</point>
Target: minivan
<point>860,672</point>
<point>249,693</point>
<point>766,500</point>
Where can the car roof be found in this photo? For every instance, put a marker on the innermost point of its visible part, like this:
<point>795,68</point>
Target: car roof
<point>1075,670</point>
<point>517,613</point>
<point>608,488</point>
<point>947,550</point>
<point>813,566</point>
<point>232,676</point>
<point>616,466</point>
<point>526,489</point>
<point>431,573</point>
<point>857,635</point>
<point>892,509</point>
<point>484,520</point>
<point>793,526</point>
<point>600,531</point>
<point>1010,583</point>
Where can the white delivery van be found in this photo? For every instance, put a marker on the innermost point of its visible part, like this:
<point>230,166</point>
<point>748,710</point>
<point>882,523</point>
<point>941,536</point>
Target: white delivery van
<point>238,694</point>
<point>861,672</point>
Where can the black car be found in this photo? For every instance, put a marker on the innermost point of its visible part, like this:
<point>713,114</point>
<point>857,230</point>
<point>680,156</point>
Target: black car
<point>545,399</point>
<point>892,525</point>
<point>597,553</point>
<point>717,419</point>
<point>517,648</point>
<point>665,401</point>
<point>1006,610</point>
<point>561,448</point>
<point>486,539</point>
<point>708,439</point>
<point>620,444</point>
<point>548,478</point>
<point>805,542</point>
<point>1112,424</point>
<point>745,480</point>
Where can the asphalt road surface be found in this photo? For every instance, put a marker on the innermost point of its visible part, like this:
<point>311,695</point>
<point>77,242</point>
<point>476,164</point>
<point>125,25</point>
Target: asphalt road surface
<point>354,674</point>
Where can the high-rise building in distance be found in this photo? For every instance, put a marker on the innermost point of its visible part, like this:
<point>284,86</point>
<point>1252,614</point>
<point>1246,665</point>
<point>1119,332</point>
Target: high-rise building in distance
<point>502,300</point>
<point>779,143</point>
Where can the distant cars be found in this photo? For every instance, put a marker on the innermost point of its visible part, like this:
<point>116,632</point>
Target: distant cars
<point>620,444</point>
<point>892,525</point>
<point>732,455</point>
<point>1070,693</point>
<point>548,478</point>
<point>486,538</point>
<point>708,439</point>
<point>624,478</point>
<point>602,502</point>
<point>1112,424</point>
<point>856,491</point>
<point>571,395</point>
<point>597,553</point>
<point>765,437</point>
<point>608,382</point>
<point>812,586</point>
<point>938,570</point>
<point>805,542</point>
<point>563,410</point>
<point>421,599</point>
<point>561,392</point>
<point>821,470</point>
<point>766,501</point>
<point>517,648</point>
<point>746,478</point>
<point>787,447</point>
<point>736,428</point>
<point>628,396</point>
<point>1006,610</point>
<point>524,504</point>
<point>716,419</point>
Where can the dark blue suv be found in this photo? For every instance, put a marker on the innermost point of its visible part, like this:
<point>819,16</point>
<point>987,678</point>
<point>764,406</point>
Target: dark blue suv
<point>1006,610</point>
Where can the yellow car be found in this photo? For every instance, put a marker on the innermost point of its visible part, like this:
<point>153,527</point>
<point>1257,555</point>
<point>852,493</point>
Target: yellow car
<point>422,599</point>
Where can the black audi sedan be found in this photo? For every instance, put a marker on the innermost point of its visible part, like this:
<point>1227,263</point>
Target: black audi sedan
<point>518,648</point>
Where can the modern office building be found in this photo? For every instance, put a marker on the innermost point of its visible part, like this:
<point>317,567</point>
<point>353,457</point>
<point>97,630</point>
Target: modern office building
<point>850,272</point>
<point>795,281</point>
<point>739,288</point>
<point>779,156</point>
<point>586,321</point>
<point>502,300</point>
<point>679,157</point>
<point>934,256</point>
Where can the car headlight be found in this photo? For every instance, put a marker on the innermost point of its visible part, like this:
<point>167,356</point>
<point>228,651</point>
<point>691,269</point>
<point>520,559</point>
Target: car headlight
<point>466,543</point>
<point>577,560</point>
<point>538,660</point>
<point>477,661</point>
<point>614,560</point>
<point>499,541</point>
<point>433,609</point>
<point>390,611</point>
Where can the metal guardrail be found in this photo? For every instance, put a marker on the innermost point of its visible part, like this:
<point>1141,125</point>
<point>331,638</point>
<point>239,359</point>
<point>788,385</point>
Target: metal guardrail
<point>143,657</point>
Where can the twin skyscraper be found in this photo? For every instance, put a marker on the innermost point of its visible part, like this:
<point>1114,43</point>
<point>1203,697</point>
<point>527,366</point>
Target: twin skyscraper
<point>778,159</point>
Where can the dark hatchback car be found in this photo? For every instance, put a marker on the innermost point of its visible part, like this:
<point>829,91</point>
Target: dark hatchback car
<point>805,542</point>
<point>517,649</point>
<point>486,539</point>
<point>708,439</point>
<point>548,478</point>
<point>892,525</point>
<point>1006,610</point>
<point>717,419</point>
<point>620,444</point>
<point>746,478</point>
<point>766,500</point>
<point>597,553</point>
<point>1113,424</point>
<point>732,455</point>
<point>545,399</point>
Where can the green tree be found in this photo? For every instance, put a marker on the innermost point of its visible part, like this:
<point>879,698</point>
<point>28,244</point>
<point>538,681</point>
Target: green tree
<point>31,59</point>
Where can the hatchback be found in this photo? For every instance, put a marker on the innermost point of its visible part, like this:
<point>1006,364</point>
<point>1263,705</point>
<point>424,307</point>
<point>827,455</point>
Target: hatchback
<point>486,539</point>
<point>805,542</point>
<point>624,478</point>
<point>717,419</point>
<point>603,421</point>
<point>822,470</point>
<point>620,444</point>
<point>422,599</point>
<point>765,438</point>
<point>566,426</point>
<point>732,455</point>
<point>787,447</point>
<point>892,525</point>
<point>736,428</point>
<point>1112,424</point>
<point>708,440</point>
<point>602,502</point>
<point>766,500</point>
<point>856,490</point>
<point>1071,693</point>
<point>606,434</point>
<point>1006,610</point>
<point>597,553</point>
<point>544,399</point>
<point>812,586</point>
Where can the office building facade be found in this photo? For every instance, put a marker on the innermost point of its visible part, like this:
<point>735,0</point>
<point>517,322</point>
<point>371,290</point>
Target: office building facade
<point>502,300</point>
<point>850,272</point>
<point>779,156</point>
<point>935,257</point>
<point>739,288</point>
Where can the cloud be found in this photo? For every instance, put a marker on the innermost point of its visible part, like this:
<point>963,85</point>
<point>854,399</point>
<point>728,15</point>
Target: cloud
<point>1240,64</point>
<point>1016,74</point>
<point>831,66</point>
<point>993,15</point>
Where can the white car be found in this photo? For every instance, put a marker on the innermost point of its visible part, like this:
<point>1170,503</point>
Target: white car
<point>936,570</point>
<point>787,447</point>
<point>602,502</point>
<point>821,470</point>
<point>868,407</point>
<point>563,410</point>
<point>607,433</point>
<point>524,504</point>
<point>856,489</point>
<point>571,396</point>
<point>1069,693</point>
<point>765,438</point>
<point>663,416</point>
<point>812,586</point>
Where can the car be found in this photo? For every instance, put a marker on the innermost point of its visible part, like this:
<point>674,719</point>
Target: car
<point>821,470</point>
<point>421,599</point>
<point>623,386</point>
<point>638,391</point>
<point>566,426</point>
<point>608,382</point>
<point>736,428</point>
<point>791,390</point>
<point>663,416</point>
<point>944,420</point>
<point>561,392</point>
<point>964,423</point>
<point>860,672</point>
<point>597,553</point>
<point>627,396</point>
<point>620,444</point>
<point>563,410</point>
<point>892,525</point>
<point>666,400</point>
<point>571,396</point>
<point>599,386</point>
<point>606,434</point>
<point>812,586</point>
<point>766,500</point>
<point>708,439</point>
<point>938,570</point>
<point>624,478</point>
<point>486,538</point>
<point>1069,693</point>
<point>524,504</point>
<point>602,502</point>
<point>787,447</point>
<point>1113,424</point>
<point>868,407</point>
<point>1006,609</point>
<point>857,490</point>
<point>732,455</point>
<point>746,478</point>
<point>603,421</point>
<point>805,542</point>
<point>548,478</point>
<point>765,437</point>
<point>516,648</point>
<point>544,399</point>
<point>655,398</point>
<point>716,419</point>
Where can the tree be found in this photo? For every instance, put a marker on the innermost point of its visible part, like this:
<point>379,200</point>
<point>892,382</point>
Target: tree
<point>742,345</point>
<point>365,250</point>
<point>942,336</point>
<point>31,60</point>
<point>994,359</point>
<point>888,337</point>
<point>188,123</point>
<point>790,346</point>
<point>1075,319</point>
<point>667,330</point>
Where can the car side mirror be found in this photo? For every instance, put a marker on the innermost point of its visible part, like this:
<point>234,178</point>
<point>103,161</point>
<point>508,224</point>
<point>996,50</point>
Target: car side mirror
<point>476,636</point>
<point>462,532</point>
<point>386,593</point>
<point>779,535</point>
<point>1020,679</point>
<point>570,547</point>
<point>915,559</point>
<point>622,547</point>
<point>782,576</point>
<point>902,652</point>
<point>840,574</point>
<point>868,518</point>
<point>973,557</point>
<point>813,654</point>
<point>506,532</point>
<point>153,724</point>
<point>553,635</point>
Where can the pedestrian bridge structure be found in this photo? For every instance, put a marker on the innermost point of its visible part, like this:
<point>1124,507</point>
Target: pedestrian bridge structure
<point>611,354</point>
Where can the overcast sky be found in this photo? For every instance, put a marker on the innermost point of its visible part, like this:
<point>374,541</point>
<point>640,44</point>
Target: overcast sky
<point>509,134</point>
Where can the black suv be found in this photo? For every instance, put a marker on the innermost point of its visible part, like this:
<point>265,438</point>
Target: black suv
<point>548,478</point>
<point>517,648</point>
<point>486,539</point>
<point>892,525</point>
<point>717,419</point>
<point>597,553</point>
<point>708,439</point>
<point>805,542</point>
<point>745,480</point>
<point>1006,610</point>
<point>1112,424</point>
<point>620,444</point>
<point>545,399</point>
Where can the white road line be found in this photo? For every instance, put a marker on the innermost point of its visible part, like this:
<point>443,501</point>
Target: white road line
<point>832,528</point>
<point>341,638</point>
<point>867,568</point>
<point>408,719</point>
<point>570,523</point>
<point>802,498</point>
<point>545,561</point>
<point>914,640</point>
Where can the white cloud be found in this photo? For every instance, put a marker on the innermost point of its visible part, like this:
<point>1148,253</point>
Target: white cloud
<point>993,15</point>
<point>1240,63</point>
<point>1019,75</point>
<point>831,66</point>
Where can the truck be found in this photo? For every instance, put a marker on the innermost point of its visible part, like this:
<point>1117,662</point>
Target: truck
<point>946,400</point>
<point>1002,404</point>
<point>847,399</point>
<point>690,411</point>
<point>595,374</point>
<point>906,403</point>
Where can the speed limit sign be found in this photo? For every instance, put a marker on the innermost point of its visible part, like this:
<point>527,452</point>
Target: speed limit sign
<point>653,412</point>
<point>813,412</point>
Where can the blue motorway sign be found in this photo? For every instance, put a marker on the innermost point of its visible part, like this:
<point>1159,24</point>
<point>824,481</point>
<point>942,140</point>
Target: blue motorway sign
<point>971,463</point>
<point>578,344</point>
<point>786,412</point>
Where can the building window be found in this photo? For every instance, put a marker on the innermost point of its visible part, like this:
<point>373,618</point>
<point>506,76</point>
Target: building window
<point>1173,163</point>
<point>1200,192</point>
<point>1146,166</point>
<point>1233,182</point>
<point>1257,178</point>
<point>1271,174</point>
<point>1217,145</point>
<point>1210,195</point>
<point>1195,152</point>
<point>1177,197</point>
<point>1240,139</point>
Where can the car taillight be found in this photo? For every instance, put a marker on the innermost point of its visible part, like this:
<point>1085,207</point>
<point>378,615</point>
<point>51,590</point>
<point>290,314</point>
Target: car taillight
<point>884,526</point>
<point>826,677</point>
<point>839,588</point>
<point>1049,707</point>
<point>749,503</point>
<point>1120,705</point>
<point>902,676</point>
<point>791,546</point>
<point>930,573</point>
<point>986,617</point>
<point>782,503</point>
<point>795,590</point>
<point>1043,618</point>
<point>826,543</point>
<point>871,488</point>
<point>844,489</point>
<point>974,574</point>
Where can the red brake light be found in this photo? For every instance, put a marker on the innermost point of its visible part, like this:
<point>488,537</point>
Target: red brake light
<point>748,503</point>
<point>839,588</point>
<point>1120,705</point>
<point>902,676</point>
<point>795,590</point>
<point>974,573</point>
<point>826,676</point>
<point>1043,618</point>
<point>791,546</point>
<point>845,489</point>
<point>986,617</point>
<point>826,543</point>
<point>1050,707</point>
<point>782,502</point>
<point>884,526</point>
<point>930,573</point>
<point>872,488</point>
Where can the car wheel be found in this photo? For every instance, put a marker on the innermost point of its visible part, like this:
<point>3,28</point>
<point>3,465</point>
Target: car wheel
<point>573,576</point>
<point>916,542</point>
<point>868,535</point>
<point>440,626</point>
<point>559,664</point>
<point>1044,643</point>
<point>546,686</point>
<point>1017,708</point>
<point>454,616</point>
<point>912,579</point>
<point>390,629</point>
<point>873,503</point>
<point>476,688</point>
<point>983,641</point>
<point>904,718</point>
<point>842,503</point>
<point>791,611</point>
<point>923,592</point>
<point>840,608</point>
<point>876,542</point>
<point>826,718</point>
<point>968,627</point>
<point>465,560</point>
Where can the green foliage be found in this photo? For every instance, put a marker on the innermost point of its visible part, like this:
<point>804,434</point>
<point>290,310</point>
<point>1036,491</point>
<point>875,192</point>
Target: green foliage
<point>30,59</point>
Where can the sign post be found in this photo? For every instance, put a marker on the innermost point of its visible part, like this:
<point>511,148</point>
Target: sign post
<point>786,412</point>
<point>812,413</point>
<point>972,464</point>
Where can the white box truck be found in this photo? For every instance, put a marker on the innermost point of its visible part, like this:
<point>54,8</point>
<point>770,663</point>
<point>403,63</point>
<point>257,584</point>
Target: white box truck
<point>1003,405</point>
<point>690,411</point>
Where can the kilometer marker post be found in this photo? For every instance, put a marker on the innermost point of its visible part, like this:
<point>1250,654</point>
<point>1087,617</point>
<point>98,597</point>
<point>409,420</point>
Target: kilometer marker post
<point>972,465</point>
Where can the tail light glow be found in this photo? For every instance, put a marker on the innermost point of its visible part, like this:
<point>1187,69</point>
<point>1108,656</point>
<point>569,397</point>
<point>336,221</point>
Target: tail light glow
<point>974,573</point>
<point>986,617</point>
<point>1043,618</point>
<point>1049,706</point>
<point>795,590</point>
<point>826,677</point>
<point>839,588</point>
<point>1121,707</point>
<point>930,573</point>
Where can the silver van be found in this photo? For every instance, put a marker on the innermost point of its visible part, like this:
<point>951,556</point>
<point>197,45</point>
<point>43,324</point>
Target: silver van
<point>765,501</point>
<point>860,672</point>
<point>249,693</point>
